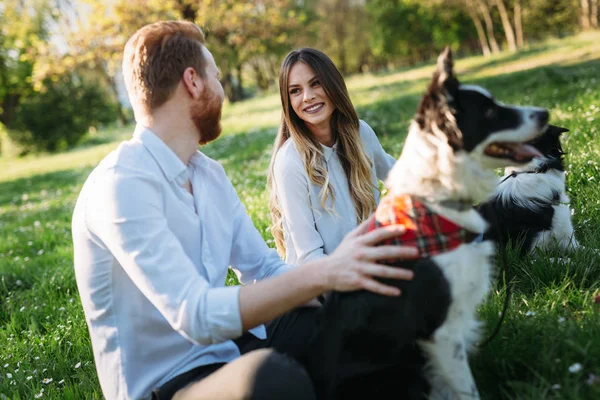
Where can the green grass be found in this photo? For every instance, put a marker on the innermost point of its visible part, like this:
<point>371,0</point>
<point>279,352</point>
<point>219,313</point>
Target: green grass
<point>552,322</point>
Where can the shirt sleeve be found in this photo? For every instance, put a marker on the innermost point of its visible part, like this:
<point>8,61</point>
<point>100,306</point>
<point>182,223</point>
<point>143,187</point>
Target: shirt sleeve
<point>126,212</point>
<point>292,188</point>
<point>250,254</point>
<point>382,160</point>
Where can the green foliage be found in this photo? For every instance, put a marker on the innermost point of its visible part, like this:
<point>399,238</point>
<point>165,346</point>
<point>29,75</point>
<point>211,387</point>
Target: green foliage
<point>22,37</point>
<point>544,18</point>
<point>413,31</point>
<point>57,117</point>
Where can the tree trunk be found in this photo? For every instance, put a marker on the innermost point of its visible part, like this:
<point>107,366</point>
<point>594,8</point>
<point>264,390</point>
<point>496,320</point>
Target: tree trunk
<point>508,30</point>
<point>111,81</point>
<point>489,25</point>
<point>594,13</point>
<point>8,109</point>
<point>341,12</point>
<point>260,77</point>
<point>239,87</point>
<point>480,32</point>
<point>585,15</point>
<point>518,24</point>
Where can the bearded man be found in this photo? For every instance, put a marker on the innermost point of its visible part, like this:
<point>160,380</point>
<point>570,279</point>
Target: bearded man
<point>157,225</point>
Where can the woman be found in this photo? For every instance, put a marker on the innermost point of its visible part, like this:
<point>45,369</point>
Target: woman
<point>326,163</point>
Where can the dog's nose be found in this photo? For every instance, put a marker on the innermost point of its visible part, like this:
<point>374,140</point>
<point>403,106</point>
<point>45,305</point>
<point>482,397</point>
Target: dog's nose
<point>541,116</point>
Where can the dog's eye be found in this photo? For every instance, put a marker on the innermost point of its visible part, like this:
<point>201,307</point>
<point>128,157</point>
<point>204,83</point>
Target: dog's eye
<point>491,112</point>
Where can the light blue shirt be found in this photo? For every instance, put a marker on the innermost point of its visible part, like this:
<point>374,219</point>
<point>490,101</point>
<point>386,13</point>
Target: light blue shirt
<point>310,231</point>
<point>151,261</point>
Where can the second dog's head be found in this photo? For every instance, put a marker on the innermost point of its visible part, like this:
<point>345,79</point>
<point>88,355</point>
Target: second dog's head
<point>550,146</point>
<point>458,133</point>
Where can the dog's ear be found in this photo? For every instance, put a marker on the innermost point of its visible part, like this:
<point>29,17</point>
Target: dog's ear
<point>556,131</point>
<point>438,105</point>
<point>444,75</point>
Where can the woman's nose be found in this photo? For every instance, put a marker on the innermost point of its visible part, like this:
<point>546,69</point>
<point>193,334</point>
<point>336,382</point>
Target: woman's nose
<point>308,95</point>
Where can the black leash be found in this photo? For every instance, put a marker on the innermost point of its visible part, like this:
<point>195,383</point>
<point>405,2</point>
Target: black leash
<point>507,281</point>
<point>503,254</point>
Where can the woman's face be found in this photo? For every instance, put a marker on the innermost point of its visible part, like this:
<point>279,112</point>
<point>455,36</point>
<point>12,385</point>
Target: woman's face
<point>307,96</point>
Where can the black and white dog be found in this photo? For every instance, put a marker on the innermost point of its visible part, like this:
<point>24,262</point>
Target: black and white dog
<point>530,207</point>
<point>458,137</point>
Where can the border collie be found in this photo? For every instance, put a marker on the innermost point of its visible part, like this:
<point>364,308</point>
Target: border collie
<point>530,208</point>
<point>456,140</point>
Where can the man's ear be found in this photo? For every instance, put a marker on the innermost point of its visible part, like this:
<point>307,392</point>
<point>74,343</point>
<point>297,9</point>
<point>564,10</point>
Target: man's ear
<point>192,82</point>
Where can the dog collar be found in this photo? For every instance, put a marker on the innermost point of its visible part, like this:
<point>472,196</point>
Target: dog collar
<point>430,232</point>
<point>458,205</point>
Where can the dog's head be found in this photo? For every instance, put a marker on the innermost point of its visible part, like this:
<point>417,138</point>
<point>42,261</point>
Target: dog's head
<point>549,144</point>
<point>472,121</point>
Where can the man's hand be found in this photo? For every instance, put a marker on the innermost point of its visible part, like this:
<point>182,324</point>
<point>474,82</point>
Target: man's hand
<point>353,265</point>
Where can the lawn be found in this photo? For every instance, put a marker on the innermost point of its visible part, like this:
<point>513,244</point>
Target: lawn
<point>549,344</point>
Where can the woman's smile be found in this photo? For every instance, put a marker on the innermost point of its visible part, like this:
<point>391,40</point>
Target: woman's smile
<point>314,108</point>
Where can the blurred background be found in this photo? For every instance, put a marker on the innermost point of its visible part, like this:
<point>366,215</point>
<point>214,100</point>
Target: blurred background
<point>60,59</point>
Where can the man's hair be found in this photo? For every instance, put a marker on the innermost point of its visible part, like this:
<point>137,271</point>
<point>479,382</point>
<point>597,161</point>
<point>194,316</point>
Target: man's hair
<point>155,58</point>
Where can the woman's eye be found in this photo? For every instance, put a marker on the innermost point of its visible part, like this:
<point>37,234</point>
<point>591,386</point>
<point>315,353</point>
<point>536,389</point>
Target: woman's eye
<point>316,83</point>
<point>294,91</point>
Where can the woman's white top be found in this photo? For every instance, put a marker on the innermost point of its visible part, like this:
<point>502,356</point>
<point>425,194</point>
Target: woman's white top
<point>311,232</point>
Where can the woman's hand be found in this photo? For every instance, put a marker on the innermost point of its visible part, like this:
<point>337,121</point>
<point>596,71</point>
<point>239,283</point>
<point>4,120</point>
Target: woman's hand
<point>353,265</point>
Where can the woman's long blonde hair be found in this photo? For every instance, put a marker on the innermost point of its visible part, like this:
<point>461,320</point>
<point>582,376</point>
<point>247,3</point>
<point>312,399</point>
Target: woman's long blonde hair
<point>344,125</point>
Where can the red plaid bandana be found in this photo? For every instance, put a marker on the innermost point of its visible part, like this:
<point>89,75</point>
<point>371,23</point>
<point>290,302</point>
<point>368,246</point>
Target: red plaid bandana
<point>430,233</point>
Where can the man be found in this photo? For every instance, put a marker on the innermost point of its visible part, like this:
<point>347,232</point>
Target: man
<point>155,228</point>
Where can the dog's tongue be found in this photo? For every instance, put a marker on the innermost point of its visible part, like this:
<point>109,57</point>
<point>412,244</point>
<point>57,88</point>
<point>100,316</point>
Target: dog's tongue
<point>525,152</point>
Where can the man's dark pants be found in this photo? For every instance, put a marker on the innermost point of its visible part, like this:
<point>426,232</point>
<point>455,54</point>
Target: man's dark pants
<point>282,376</point>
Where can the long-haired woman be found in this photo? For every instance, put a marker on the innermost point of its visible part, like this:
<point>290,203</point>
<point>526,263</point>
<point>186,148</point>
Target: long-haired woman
<point>326,163</point>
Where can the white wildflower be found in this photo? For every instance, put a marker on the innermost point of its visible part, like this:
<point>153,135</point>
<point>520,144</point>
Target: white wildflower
<point>575,368</point>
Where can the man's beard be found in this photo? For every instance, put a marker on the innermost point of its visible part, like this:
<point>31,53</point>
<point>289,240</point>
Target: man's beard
<point>206,115</point>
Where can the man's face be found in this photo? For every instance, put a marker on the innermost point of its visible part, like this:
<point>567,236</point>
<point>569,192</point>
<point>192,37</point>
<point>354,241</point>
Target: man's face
<point>206,111</point>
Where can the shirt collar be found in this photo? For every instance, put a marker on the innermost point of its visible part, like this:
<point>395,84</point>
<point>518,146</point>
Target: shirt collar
<point>172,167</point>
<point>329,151</point>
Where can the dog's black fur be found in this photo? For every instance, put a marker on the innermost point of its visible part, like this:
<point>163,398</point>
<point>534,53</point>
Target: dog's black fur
<point>376,331</point>
<point>516,219</point>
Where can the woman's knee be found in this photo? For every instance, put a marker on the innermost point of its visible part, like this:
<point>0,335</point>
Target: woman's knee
<point>282,377</point>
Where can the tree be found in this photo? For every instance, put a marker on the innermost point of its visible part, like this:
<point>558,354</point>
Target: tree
<point>508,30</point>
<point>585,14</point>
<point>518,23</point>
<point>489,24</point>
<point>58,116</point>
<point>411,31</point>
<point>247,33</point>
<point>470,8</point>
<point>97,35</point>
<point>543,18</point>
<point>22,37</point>
<point>589,14</point>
